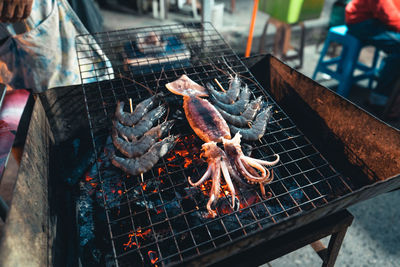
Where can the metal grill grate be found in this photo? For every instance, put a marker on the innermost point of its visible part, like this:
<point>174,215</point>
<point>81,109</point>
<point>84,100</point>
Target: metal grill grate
<point>161,220</point>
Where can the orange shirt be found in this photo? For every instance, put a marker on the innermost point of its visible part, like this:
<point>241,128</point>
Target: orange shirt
<point>387,11</point>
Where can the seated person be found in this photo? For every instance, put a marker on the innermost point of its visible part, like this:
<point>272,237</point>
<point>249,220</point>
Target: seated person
<point>377,23</point>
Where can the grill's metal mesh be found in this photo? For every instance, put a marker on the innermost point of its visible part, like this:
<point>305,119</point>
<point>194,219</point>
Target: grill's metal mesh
<point>162,220</point>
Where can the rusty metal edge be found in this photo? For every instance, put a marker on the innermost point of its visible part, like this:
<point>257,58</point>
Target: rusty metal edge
<point>26,240</point>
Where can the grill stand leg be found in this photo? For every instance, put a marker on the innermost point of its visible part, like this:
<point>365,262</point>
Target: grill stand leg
<point>329,255</point>
<point>334,246</point>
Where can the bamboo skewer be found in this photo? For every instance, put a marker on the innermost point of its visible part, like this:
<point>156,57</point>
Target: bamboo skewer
<point>130,104</point>
<point>220,86</point>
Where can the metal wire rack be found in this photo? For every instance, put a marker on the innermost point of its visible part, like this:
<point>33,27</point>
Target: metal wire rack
<point>161,220</point>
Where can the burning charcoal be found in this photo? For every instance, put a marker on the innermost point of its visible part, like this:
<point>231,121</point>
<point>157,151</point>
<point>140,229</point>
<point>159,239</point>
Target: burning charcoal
<point>84,157</point>
<point>178,115</point>
<point>152,185</point>
<point>86,226</point>
<point>294,190</point>
<point>173,208</point>
<point>145,204</point>
<point>152,256</point>
<point>85,218</point>
<point>188,204</point>
<point>197,217</point>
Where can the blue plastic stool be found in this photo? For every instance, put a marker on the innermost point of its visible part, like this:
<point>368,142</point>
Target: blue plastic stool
<point>347,62</point>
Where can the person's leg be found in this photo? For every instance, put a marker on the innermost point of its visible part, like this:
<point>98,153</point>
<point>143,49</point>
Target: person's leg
<point>388,73</point>
<point>373,32</point>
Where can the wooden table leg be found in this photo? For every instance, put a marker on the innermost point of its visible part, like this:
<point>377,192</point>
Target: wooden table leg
<point>287,35</point>
<point>261,48</point>
<point>233,6</point>
<point>278,39</point>
<point>282,41</point>
<point>302,42</point>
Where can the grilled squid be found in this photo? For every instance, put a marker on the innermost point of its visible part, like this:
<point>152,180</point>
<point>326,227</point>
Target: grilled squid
<point>211,127</point>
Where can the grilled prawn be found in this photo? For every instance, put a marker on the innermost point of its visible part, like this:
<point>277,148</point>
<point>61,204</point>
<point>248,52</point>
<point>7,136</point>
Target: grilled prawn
<point>208,123</point>
<point>139,137</point>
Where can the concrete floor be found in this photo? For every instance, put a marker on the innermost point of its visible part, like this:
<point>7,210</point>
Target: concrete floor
<point>374,237</point>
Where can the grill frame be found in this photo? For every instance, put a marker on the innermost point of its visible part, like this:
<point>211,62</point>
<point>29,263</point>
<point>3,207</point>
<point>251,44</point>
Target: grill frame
<point>247,239</point>
<point>59,115</point>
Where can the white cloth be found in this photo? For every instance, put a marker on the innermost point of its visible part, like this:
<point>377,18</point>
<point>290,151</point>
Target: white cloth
<point>40,53</point>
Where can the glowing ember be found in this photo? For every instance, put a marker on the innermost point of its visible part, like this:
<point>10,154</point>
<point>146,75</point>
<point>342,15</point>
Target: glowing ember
<point>138,234</point>
<point>226,210</point>
<point>153,256</point>
<point>225,193</point>
<point>249,201</point>
<point>143,185</point>
<point>173,165</point>
<point>206,187</point>
<point>182,153</point>
<point>185,149</point>
<point>171,158</point>
<point>89,179</point>
<point>160,171</point>
<point>131,243</point>
<point>142,235</point>
<point>187,162</point>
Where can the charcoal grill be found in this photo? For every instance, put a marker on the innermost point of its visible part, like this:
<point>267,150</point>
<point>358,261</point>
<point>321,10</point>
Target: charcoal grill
<point>332,153</point>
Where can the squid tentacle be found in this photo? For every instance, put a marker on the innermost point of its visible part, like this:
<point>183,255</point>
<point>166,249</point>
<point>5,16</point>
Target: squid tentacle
<point>215,188</point>
<point>205,176</point>
<point>248,175</point>
<point>235,175</point>
<point>254,164</point>
<point>264,162</point>
<point>262,188</point>
<point>228,181</point>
